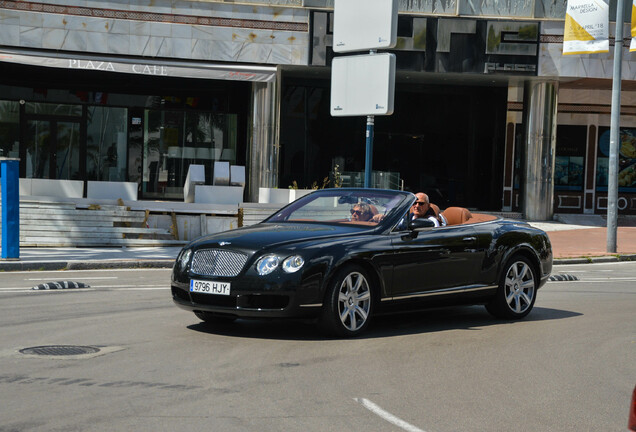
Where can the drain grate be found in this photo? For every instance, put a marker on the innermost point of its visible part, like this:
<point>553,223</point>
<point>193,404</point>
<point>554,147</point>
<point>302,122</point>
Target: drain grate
<point>60,350</point>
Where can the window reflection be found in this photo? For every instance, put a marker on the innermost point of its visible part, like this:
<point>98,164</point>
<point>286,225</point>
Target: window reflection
<point>106,144</point>
<point>9,129</point>
<point>67,151</point>
<point>517,8</point>
<point>570,157</point>
<point>173,140</point>
<point>550,9</point>
<point>53,109</point>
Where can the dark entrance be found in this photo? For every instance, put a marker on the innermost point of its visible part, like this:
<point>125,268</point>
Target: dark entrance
<point>51,141</point>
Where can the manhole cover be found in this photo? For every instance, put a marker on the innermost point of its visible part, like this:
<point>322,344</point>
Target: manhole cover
<point>60,350</point>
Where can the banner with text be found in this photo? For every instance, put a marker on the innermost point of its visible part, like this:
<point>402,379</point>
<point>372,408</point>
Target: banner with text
<point>586,27</point>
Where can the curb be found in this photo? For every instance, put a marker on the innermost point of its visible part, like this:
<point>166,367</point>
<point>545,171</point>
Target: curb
<point>594,260</point>
<point>85,265</point>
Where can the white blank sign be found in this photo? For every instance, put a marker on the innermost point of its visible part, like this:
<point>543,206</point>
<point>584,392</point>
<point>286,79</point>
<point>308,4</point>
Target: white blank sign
<point>360,25</point>
<point>362,85</point>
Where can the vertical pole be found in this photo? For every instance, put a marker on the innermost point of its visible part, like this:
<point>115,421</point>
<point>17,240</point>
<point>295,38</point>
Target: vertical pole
<point>615,127</point>
<point>369,155</point>
<point>540,120</point>
<point>10,172</point>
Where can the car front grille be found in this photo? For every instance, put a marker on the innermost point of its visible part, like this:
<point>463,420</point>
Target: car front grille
<point>217,262</point>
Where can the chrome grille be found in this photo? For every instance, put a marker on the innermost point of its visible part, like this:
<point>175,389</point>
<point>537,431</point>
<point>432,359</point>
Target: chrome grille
<point>217,262</point>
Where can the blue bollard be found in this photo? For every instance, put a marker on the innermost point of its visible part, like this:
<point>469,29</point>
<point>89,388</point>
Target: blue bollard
<point>10,172</point>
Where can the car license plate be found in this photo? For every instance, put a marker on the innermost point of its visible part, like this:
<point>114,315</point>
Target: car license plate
<point>210,287</point>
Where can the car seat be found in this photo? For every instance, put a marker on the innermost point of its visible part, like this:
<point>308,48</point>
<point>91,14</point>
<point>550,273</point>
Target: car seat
<point>457,215</point>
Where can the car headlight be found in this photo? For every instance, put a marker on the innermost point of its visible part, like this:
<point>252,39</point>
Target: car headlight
<point>184,259</point>
<point>267,264</point>
<point>293,263</point>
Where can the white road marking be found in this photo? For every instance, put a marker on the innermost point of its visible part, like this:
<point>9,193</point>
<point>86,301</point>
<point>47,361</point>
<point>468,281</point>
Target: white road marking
<point>387,415</point>
<point>142,289</point>
<point>92,288</point>
<point>92,270</point>
<point>29,290</point>
<point>629,278</point>
<point>588,271</point>
<point>129,286</point>
<point>88,278</point>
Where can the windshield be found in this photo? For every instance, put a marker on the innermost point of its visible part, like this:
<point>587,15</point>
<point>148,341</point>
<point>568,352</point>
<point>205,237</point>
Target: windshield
<point>351,206</point>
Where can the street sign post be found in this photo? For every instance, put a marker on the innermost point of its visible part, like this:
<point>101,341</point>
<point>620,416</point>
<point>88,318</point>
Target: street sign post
<point>364,84</point>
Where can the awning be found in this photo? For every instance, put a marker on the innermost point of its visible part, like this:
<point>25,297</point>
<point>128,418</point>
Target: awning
<point>140,66</point>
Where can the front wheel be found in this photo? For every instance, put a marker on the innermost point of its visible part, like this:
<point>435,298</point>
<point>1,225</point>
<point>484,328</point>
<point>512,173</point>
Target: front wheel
<point>517,290</point>
<point>349,303</point>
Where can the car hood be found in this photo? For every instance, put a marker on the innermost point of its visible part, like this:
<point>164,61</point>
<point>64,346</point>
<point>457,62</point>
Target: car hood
<point>262,235</point>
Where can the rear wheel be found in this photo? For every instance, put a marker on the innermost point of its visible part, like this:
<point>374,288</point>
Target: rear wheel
<point>349,303</point>
<point>517,290</point>
<point>211,318</point>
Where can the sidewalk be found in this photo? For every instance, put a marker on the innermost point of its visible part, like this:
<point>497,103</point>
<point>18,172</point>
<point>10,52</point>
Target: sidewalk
<point>575,239</point>
<point>578,244</point>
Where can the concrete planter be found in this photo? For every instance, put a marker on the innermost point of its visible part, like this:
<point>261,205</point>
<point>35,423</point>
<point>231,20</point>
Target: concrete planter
<point>280,196</point>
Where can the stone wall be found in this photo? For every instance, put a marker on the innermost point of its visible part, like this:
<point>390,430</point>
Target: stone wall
<point>189,30</point>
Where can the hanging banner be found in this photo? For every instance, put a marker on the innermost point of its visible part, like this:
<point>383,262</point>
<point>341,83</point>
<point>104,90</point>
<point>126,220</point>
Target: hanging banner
<point>586,27</point>
<point>632,46</point>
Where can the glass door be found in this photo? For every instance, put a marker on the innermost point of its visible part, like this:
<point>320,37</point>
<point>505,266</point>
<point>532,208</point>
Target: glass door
<point>52,148</point>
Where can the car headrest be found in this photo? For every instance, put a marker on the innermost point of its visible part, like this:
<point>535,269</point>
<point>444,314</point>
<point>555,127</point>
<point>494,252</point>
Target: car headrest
<point>456,215</point>
<point>435,209</point>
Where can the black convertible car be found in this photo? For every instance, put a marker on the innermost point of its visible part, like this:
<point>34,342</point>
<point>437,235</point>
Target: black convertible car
<point>316,258</point>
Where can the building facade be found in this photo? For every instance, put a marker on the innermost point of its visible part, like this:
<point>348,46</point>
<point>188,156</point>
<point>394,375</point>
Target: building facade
<point>488,112</point>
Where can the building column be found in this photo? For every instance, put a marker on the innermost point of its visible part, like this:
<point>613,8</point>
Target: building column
<point>263,147</point>
<point>540,120</point>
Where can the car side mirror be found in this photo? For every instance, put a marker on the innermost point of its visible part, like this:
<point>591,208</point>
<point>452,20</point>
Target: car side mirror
<point>420,224</point>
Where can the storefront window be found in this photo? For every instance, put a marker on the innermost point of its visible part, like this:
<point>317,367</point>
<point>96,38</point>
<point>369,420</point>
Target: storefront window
<point>173,140</point>
<point>9,129</point>
<point>626,160</point>
<point>48,109</point>
<point>570,158</point>
<point>106,143</point>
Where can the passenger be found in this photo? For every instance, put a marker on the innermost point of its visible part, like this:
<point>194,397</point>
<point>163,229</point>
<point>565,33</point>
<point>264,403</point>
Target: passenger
<point>422,209</point>
<point>361,212</point>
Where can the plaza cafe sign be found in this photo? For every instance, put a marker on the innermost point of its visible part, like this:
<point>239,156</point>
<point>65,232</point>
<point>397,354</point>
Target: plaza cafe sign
<point>144,69</point>
<point>185,69</point>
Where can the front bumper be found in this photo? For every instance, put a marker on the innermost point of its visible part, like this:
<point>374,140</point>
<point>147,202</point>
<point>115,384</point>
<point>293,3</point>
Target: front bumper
<point>302,301</point>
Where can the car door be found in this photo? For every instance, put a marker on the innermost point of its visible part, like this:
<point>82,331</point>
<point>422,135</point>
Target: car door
<point>435,259</point>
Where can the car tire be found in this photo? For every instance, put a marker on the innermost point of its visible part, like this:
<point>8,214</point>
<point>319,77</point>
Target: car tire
<point>210,318</point>
<point>349,303</point>
<point>517,290</point>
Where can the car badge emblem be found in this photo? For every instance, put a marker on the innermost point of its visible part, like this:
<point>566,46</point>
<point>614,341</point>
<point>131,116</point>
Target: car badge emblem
<point>224,243</point>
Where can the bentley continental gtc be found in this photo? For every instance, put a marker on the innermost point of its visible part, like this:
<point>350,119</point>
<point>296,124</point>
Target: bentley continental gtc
<point>341,256</point>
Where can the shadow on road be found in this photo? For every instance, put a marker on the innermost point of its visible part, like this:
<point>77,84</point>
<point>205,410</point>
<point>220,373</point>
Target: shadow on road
<point>426,321</point>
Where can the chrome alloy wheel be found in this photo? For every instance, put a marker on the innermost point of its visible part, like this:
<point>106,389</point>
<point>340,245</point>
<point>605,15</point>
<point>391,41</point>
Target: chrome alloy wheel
<point>519,287</point>
<point>354,301</point>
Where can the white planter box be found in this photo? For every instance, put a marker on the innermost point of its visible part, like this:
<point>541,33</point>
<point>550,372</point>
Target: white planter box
<point>280,196</point>
<point>127,191</point>
<point>204,194</point>
<point>57,188</point>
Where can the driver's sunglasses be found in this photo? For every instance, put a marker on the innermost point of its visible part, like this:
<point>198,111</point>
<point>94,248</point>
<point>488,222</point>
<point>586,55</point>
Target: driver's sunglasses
<point>419,203</point>
<point>358,212</point>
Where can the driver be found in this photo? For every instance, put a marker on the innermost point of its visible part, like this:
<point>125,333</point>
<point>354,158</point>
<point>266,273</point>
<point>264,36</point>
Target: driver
<point>422,209</point>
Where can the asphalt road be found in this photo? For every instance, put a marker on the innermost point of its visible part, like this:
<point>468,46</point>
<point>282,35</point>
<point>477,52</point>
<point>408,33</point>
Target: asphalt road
<point>570,366</point>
